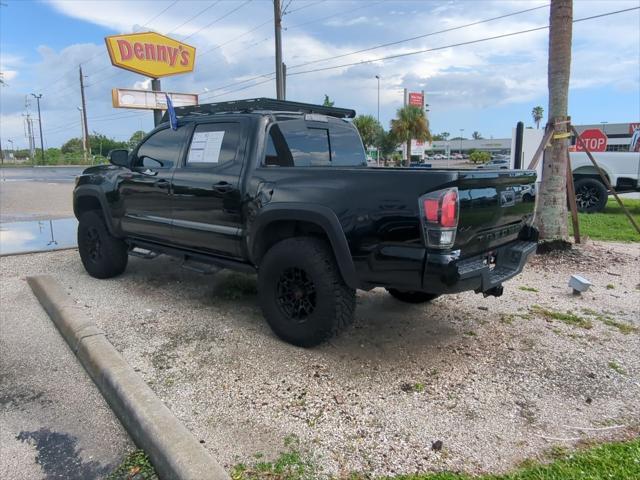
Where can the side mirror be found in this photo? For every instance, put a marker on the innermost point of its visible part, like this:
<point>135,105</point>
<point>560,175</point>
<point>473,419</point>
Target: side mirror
<point>119,157</point>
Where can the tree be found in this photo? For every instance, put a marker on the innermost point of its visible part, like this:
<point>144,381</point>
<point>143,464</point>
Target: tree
<point>476,135</point>
<point>551,218</point>
<point>479,157</point>
<point>101,144</point>
<point>327,101</point>
<point>537,113</point>
<point>387,144</point>
<point>445,135</point>
<point>369,129</point>
<point>410,123</point>
<point>73,145</point>
<point>135,138</point>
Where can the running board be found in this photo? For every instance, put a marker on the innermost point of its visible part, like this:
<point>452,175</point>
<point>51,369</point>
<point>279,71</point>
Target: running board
<point>142,253</point>
<point>190,259</point>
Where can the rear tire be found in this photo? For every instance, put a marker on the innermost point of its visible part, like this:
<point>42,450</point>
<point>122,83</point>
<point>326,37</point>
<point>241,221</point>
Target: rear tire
<point>103,255</point>
<point>411,296</point>
<point>301,292</point>
<point>591,195</point>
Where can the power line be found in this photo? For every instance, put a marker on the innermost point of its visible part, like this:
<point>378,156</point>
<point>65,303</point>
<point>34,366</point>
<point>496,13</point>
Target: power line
<point>302,7</point>
<point>415,52</point>
<point>235,38</point>
<point>470,42</point>
<point>410,39</point>
<point>194,17</point>
<point>298,25</point>
<point>218,19</point>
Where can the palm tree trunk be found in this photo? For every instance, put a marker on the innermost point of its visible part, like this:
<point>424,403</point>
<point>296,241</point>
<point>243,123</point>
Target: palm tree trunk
<point>551,218</point>
<point>408,153</point>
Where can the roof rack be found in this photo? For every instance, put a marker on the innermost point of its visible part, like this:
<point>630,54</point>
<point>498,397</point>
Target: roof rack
<point>262,103</point>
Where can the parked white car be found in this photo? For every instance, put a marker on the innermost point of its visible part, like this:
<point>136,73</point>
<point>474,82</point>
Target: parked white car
<point>621,168</point>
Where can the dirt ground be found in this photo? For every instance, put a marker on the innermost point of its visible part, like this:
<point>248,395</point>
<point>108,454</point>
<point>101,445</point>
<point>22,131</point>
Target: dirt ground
<point>497,380</point>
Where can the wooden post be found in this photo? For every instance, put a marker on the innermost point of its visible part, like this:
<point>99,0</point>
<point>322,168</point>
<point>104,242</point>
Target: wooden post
<point>571,195</point>
<point>604,178</point>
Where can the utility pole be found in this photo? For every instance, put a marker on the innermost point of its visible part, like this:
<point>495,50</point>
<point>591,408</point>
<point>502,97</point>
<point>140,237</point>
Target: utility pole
<point>29,134</point>
<point>84,112</point>
<point>38,97</point>
<point>284,81</point>
<point>277,20</point>
<point>84,138</point>
<point>157,114</point>
<point>378,148</point>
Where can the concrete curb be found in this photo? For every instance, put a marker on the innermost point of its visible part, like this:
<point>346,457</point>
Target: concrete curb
<point>173,450</point>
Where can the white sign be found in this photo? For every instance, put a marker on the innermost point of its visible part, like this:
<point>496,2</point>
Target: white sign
<point>205,147</point>
<point>148,100</point>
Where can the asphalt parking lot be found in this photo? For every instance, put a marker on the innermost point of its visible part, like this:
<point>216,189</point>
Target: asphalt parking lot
<point>495,380</point>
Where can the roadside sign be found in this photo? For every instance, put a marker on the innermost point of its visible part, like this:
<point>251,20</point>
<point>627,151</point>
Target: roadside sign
<point>150,100</point>
<point>594,139</point>
<point>416,99</point>
<point>150,54</point>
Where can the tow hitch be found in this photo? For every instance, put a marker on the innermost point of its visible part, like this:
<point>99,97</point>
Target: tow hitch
<point>494,292</point>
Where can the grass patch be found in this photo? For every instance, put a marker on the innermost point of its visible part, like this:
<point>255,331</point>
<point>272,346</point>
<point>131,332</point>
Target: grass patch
<point>528,289</point>
<point>568,317</point>
<point>623,327</point>
<point>612,460</point>
<point>617,368</point>
<point>292,464</point>
<point>135,465</point>
<point>611,224</point>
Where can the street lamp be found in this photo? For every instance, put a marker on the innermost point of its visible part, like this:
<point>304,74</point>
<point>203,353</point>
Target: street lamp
<point>461,132</point>
<point>38,97</point>
<point>378,148</point>
<point>604,130</point>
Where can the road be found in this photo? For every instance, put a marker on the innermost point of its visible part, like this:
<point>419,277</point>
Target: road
<point>40,174</point>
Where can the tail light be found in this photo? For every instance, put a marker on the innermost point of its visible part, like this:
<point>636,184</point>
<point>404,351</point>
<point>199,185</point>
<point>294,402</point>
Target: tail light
<point>439,212</point>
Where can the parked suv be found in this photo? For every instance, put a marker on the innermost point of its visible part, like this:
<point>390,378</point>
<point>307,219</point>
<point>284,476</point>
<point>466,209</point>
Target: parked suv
<point>282,189</point>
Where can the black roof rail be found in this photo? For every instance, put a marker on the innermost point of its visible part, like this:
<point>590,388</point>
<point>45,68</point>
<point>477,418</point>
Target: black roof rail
<point>262,103</point>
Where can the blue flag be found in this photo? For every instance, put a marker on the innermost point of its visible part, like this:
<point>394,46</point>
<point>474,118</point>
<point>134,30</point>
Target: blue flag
<point>173,120</point>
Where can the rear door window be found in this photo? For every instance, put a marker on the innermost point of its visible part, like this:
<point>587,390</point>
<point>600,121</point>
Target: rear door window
<point>294,143</point>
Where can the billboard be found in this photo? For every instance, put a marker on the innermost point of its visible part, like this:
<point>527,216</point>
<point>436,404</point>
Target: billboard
<point>150,54</point>
<point>416,99</point>
<point>150,100</point>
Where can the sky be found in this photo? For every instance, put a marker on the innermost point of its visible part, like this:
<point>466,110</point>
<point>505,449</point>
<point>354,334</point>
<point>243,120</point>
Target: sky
<point>487,86</point>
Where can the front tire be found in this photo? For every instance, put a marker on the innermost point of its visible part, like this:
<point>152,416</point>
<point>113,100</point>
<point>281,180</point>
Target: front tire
<point>103,255</point>
<point>301,292</point>
<point>411,296</point>
<point>591,195</point>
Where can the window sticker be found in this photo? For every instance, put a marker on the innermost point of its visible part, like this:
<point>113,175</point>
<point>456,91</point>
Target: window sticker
<point>205,147</point>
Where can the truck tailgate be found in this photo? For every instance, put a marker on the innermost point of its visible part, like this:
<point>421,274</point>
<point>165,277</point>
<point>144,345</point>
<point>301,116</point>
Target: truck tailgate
<point>494,206</point>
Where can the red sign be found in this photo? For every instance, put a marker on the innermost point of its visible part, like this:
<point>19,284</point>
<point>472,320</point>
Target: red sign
<point>594,139</point>
<point>416,99</point>
<point>633,127</point>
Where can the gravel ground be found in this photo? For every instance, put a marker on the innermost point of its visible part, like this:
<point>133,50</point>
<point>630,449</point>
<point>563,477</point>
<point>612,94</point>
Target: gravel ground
<point>493,379</point>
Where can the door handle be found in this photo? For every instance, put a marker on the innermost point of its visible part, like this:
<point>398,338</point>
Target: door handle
<point>162,183</point>
<point>222,187</point>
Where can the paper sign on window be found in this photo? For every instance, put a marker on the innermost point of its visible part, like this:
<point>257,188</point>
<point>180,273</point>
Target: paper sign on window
<point>205,147</point>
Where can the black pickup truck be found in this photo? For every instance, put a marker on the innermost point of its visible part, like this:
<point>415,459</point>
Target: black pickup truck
<point>283,189</point>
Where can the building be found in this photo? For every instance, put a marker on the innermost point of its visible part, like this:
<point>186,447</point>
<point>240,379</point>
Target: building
<point>618,139</point>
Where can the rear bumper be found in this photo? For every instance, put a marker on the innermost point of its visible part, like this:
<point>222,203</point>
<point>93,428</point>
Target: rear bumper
<point>445,273</point>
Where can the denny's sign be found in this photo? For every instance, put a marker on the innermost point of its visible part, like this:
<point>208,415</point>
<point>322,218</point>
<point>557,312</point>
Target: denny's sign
<point>150,54</point>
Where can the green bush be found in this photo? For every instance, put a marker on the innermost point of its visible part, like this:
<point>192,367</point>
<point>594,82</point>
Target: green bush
<point>479,157</point>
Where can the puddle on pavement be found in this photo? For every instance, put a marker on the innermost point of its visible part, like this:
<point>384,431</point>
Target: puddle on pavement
<point>37,235</point>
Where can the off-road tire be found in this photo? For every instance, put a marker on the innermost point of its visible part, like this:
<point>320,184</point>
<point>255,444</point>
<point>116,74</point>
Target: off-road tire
<point>103,255</point>
<point>591,195</point>
<point>411,296</point>
<point>301,292</point>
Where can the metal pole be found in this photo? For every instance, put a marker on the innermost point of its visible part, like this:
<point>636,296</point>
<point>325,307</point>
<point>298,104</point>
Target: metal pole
<point>277,20</point>
<point>157,114</point>
<point>461,132</point>
<point>38,97</point>
<point>284,81</point>
<point>84,113</point>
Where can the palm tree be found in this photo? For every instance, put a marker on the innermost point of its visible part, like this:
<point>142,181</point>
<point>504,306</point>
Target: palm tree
<point>327,101</point>
<point>368,128</point>
<point>551,218</point>
<point>537,113</point>
<point>476,135</point>
<point>410,124</point>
